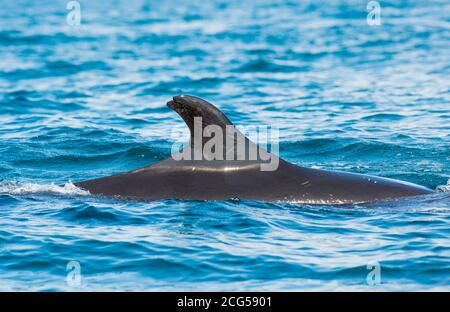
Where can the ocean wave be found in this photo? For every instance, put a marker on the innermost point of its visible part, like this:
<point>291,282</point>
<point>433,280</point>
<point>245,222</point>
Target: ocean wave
<point>444,188</point>
<point>24,188</point>
<point>89,101</point>
<point>262,65</point>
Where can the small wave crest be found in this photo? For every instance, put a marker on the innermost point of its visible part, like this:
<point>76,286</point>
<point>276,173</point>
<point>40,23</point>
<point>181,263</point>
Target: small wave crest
<point>444,188</point>
<point>21,188</point>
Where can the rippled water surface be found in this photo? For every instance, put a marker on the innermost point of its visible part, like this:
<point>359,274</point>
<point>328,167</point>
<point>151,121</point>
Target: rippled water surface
<point>79,102</point>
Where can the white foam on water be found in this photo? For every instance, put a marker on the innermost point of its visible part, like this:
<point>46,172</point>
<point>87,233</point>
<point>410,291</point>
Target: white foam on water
<point>22,188</point>
<point>444,188</point>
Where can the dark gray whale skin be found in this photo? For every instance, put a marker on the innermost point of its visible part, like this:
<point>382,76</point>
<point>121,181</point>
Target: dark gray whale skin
<point>227,179</point>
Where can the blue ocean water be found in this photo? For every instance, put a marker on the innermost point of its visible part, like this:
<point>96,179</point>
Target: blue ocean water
<point>78,102</point>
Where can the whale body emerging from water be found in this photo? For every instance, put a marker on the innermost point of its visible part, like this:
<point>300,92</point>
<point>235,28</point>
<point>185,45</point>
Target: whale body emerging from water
<point>242,176</point>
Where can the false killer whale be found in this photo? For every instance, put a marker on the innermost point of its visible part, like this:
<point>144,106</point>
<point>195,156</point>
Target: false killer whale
<point>248,173</point>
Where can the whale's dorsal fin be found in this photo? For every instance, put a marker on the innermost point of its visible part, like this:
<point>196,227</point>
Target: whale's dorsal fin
<point>190,107</point>
<point>201,116</point>
<point>198,114</point>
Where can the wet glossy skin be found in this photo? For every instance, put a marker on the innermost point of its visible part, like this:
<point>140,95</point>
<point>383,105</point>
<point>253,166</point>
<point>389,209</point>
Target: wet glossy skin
<point>221,180</point>
<point>194,180</point>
